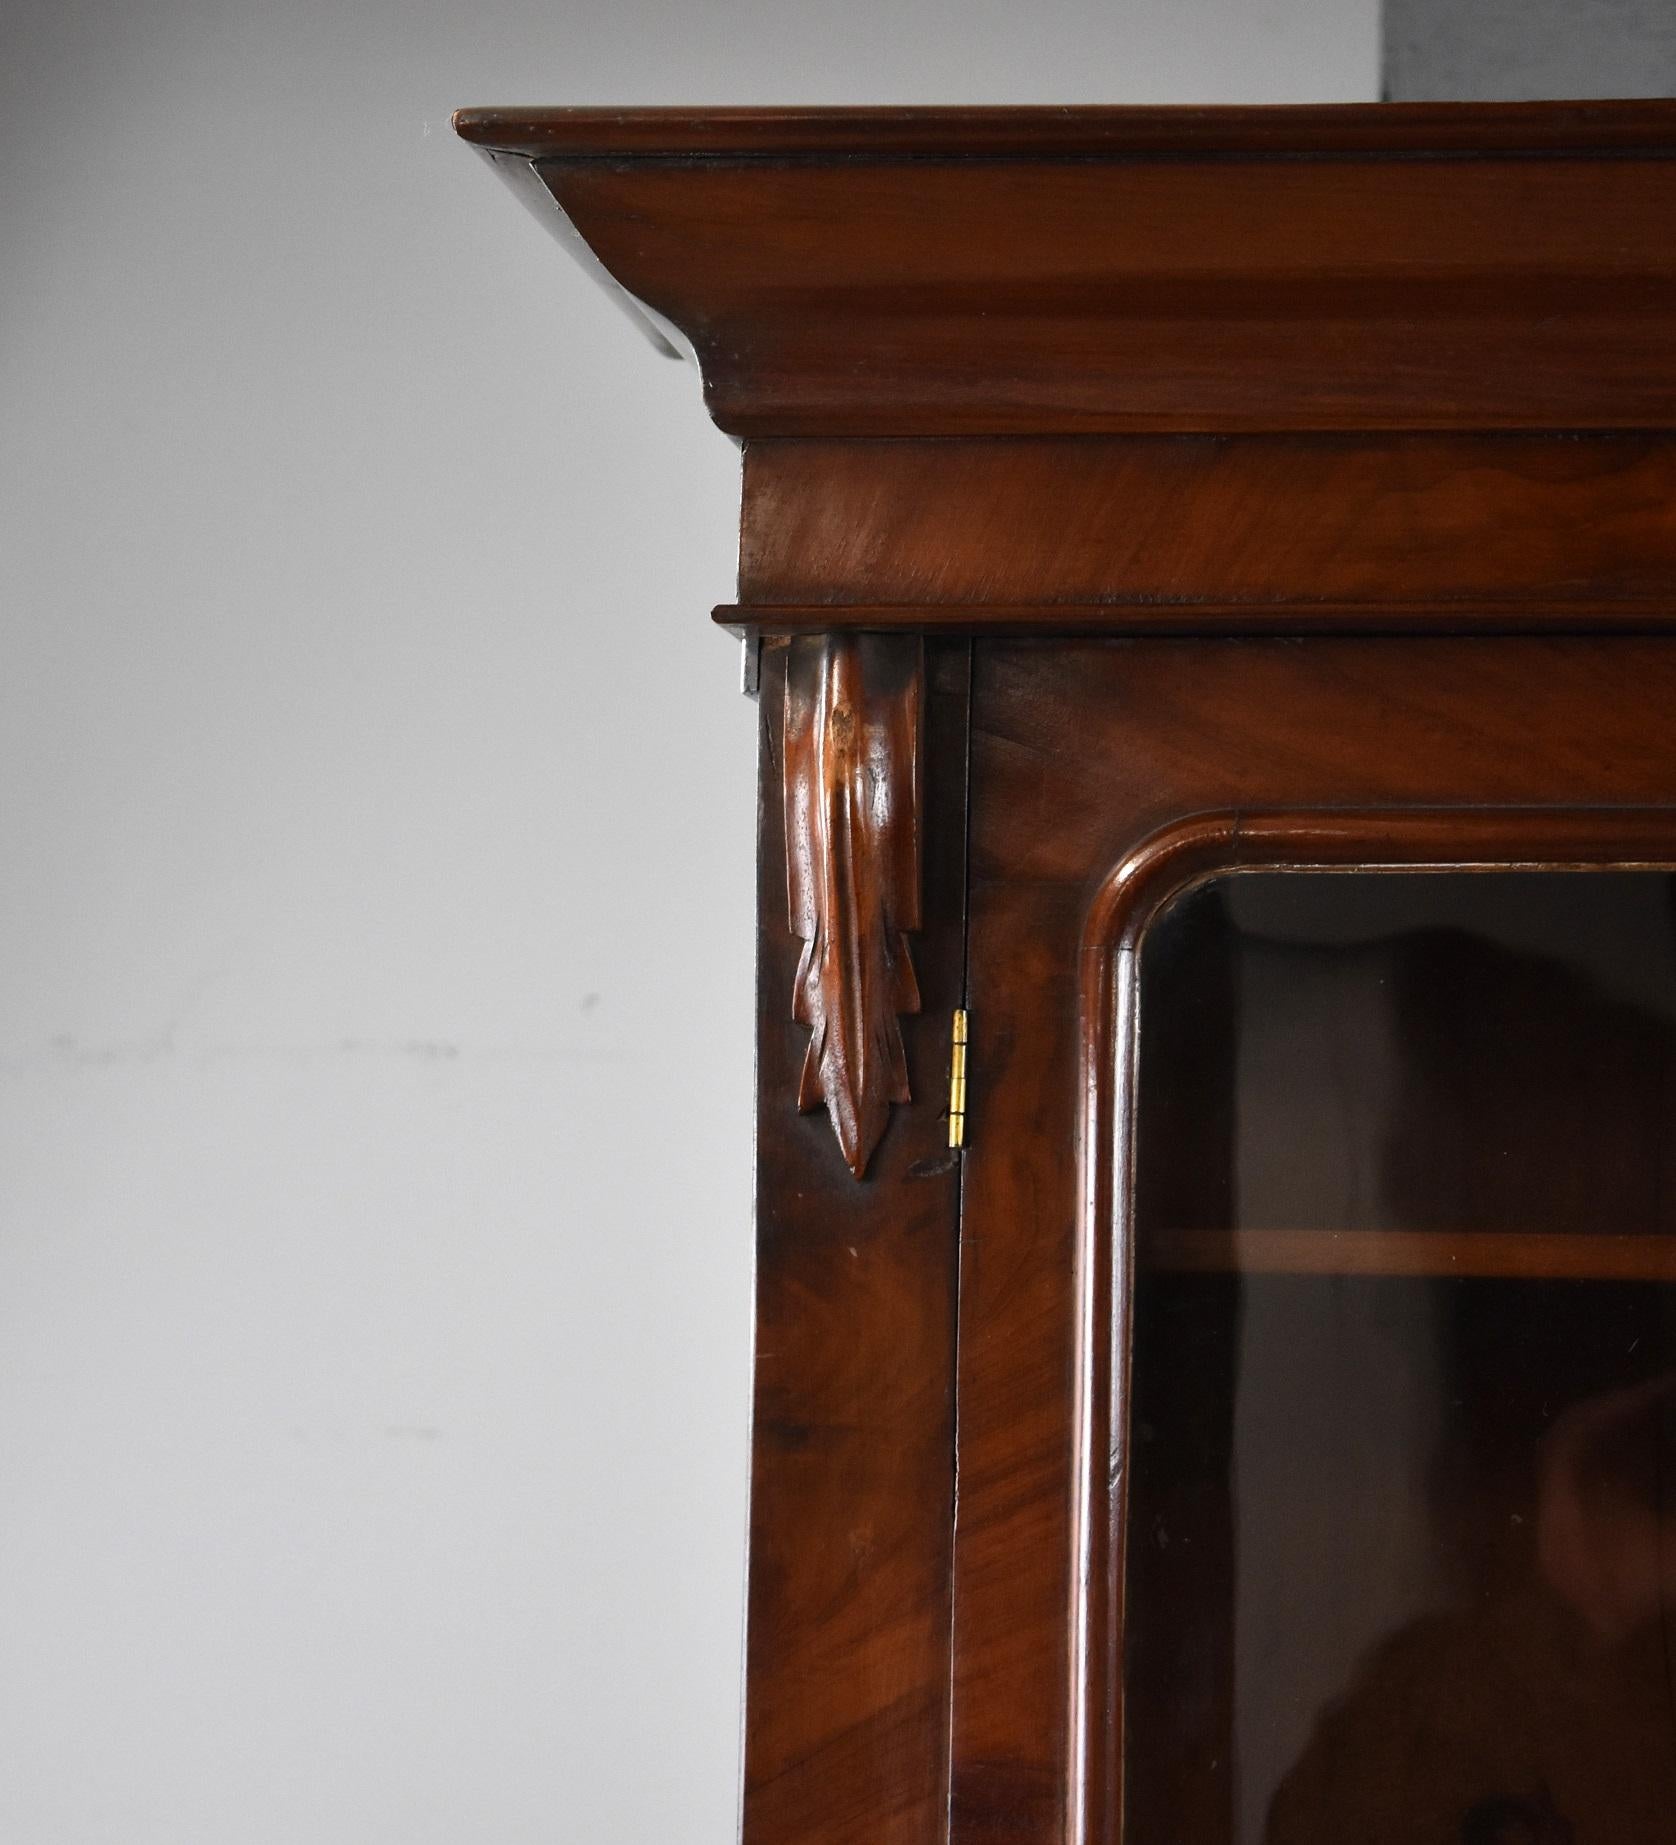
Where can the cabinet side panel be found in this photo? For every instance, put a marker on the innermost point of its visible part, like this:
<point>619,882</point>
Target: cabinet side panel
<point>847,1647</point>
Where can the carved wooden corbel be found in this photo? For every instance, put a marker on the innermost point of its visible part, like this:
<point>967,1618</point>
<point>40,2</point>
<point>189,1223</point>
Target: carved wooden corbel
<point>852,798</point>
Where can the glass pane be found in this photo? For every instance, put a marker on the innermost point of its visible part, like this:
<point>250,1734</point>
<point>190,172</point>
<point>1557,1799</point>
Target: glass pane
<point>1401,1554</point>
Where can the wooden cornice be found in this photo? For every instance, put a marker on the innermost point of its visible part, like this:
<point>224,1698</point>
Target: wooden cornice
<point>1097,271</point>
<point>1071,132</point>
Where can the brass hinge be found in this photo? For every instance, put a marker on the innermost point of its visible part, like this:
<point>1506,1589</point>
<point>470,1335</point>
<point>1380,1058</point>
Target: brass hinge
<point>957,1082</point>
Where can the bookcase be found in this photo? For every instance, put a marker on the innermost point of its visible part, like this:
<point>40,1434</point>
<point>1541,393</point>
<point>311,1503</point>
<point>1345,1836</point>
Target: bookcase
<point>1207,579</point>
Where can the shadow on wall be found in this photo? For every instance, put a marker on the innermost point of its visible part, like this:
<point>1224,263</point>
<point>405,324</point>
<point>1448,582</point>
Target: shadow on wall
<point>1527,50</point>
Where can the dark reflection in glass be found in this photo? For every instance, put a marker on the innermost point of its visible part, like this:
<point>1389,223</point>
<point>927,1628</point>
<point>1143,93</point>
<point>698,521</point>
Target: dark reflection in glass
<point>1401,1562</point>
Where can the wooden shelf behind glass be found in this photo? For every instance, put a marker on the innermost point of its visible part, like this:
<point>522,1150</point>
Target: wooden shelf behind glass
<point>1495,1254</point>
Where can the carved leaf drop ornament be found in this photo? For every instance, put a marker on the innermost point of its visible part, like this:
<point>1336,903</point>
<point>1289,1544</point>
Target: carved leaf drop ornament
<point>852,804</point>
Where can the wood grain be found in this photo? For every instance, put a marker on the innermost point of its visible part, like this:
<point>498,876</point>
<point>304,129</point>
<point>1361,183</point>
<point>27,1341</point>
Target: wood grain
<point>1604,1256</point>
<point>961,298</point>
<point>1105,379</point>
<point>852,1474</point>
<point>852,807</point>
<point>1083,751</point>
<point>1274,132</point>
<point>1250,271</point>
<point>1194,620</point>
<point>1205,533</point>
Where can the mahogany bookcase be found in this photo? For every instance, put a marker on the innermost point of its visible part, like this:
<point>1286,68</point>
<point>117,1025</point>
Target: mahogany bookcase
<point>1210,573</point>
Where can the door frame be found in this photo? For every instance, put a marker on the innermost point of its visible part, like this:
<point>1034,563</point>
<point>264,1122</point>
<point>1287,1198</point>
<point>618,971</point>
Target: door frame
<point>1107,776</point>
<point>1159,870</point>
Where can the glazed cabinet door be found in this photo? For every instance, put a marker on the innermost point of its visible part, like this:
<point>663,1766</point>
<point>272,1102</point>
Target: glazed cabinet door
<point>1317,1342</point>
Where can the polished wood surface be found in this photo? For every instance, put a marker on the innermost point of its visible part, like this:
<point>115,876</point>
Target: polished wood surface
<point>1144,620</point>
<point>1254,271</point>
<point>852,1474</point>
<point>952,132</point>
<point>1095,766</point>
<point>1538,1255</point>
<point>1265,488</point>
<point>1209,533</point>
<point>852,815</point>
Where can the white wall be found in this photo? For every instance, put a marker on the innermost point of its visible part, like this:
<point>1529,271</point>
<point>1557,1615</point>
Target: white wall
<point>376,815</point>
